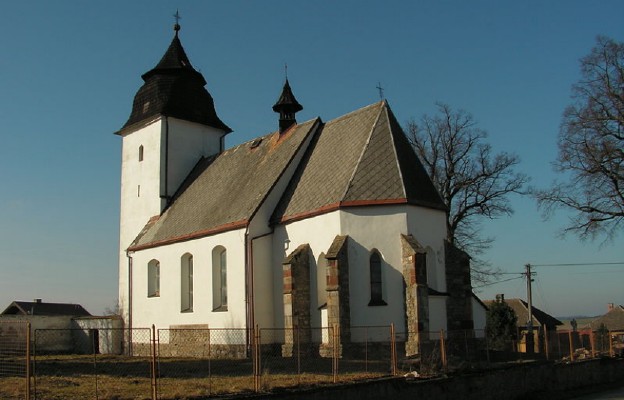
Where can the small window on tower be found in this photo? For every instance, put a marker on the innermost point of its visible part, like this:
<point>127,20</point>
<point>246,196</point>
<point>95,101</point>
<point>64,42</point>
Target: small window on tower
<point>141,153</point>
<point>146,106</point>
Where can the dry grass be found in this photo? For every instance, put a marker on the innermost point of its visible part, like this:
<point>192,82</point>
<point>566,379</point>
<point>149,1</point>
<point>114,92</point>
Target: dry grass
<point>126,378</point>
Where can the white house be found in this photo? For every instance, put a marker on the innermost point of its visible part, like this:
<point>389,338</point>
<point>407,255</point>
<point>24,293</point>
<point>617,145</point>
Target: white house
<point>317,224</point>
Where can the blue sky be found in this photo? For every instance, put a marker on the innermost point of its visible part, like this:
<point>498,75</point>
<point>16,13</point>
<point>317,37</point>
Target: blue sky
<point>69,71</point>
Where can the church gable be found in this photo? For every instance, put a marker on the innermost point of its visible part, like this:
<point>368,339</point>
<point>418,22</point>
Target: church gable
<point>223,192</point>
<point>362,158</point>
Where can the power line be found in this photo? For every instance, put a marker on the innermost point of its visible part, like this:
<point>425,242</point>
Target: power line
<point>494,283</point>
<point>577,264</point>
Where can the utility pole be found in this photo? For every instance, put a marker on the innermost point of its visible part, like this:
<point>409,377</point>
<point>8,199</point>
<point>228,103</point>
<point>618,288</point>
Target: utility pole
<point>529,336</point>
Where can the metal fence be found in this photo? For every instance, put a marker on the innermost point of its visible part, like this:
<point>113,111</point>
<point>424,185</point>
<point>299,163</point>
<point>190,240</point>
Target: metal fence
<point>181,363</point>
<point>15,360</point>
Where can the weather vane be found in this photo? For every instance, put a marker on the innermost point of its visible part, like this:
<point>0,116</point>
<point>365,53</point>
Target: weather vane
<point>286,70</point>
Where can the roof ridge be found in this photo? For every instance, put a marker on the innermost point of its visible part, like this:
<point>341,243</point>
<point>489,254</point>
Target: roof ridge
<point>364,148</point>
<point>353,113</point>
<point>394,149</point>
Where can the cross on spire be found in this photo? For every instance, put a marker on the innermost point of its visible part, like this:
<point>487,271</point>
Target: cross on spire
<point>381,90</point>
<point>177,17</point>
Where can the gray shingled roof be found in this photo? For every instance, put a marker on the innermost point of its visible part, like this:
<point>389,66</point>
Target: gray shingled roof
<point>360,158</point>
<point>224,192</point>
<point>41,308</point>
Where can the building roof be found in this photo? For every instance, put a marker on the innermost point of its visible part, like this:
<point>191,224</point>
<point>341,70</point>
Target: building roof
<point>521,309</point>
<point>225,191</point>
<point>613,319</point>
<point>40,308</point>
<point>174,88</point>
<point>361,158</point>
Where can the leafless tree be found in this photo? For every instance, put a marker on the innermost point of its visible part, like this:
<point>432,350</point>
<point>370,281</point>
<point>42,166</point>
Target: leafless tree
<point>474,182</point>
<point>591,148</point>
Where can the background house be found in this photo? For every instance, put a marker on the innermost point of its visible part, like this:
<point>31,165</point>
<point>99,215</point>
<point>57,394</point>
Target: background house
<point>65,327</point>
<point>543,324</point>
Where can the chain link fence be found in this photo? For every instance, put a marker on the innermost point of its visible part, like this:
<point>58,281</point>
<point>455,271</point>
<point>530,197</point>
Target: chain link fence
<point>14,359</point>
<point>185,363</point>
<point>203,362</point>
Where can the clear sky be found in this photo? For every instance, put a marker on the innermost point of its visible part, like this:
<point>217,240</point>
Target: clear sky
<point>69,71</point>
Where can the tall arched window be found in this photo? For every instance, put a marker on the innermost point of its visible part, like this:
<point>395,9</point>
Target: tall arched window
<point>141,153</point>
<point>219,279</point>
<point>376,284</point>
<point>186,283</point>
<point>153,278</point>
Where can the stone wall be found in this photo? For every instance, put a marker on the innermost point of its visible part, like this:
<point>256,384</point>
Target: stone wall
<point>296,278</point>
<point>414,260</point>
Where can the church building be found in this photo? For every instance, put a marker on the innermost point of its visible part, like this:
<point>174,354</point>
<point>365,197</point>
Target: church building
<point>318,224</point>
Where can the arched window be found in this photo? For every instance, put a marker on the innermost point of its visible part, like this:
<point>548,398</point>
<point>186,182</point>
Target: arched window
<point>186,283</point>
<point>153,278</point>
<point>376,286</point>
<point>219,279</point>
<point>140,153</point>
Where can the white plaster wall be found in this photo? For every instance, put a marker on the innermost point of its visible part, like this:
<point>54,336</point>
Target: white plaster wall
<point>138,205</point>
<point>263,281</point>
<point>178,143</point>
<point>437,315</point>
<point>479,318</point>
<point>319,232</point>
<point>378,228</point>
<point>164,310</point>
<point>428,226</point>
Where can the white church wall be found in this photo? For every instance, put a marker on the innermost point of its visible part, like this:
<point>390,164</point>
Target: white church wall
<point>428,227</point>
<point>375,227</point>
<point>140,192</point>
<point>263,281</point>
<point>319,232</point>
<point>165,310</point>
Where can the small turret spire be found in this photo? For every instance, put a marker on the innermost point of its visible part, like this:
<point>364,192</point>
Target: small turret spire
<point>287,106</point>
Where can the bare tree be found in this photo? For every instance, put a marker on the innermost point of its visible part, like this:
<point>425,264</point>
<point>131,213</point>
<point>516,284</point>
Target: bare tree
<point>473,181</point>
<point>591,143</point>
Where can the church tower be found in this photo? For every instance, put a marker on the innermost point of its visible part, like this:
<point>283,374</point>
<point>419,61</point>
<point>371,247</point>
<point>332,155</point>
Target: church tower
<point>173,124</point>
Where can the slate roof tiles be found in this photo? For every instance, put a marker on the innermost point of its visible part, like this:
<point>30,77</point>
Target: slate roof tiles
<point>361,158</point>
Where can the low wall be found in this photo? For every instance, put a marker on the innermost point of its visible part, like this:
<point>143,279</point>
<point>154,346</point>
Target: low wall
<point>545,381</point>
